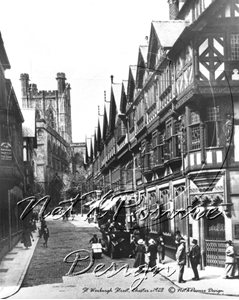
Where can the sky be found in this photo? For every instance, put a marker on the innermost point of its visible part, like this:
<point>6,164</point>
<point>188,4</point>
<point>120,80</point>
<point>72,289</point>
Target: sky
<point>88,40</point>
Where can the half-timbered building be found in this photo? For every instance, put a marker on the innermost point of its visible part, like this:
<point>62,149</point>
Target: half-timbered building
<point>176,132</point>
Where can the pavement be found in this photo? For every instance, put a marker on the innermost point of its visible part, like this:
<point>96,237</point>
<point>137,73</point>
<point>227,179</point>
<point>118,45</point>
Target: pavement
<point>211,280</point>
<point>14,265</point>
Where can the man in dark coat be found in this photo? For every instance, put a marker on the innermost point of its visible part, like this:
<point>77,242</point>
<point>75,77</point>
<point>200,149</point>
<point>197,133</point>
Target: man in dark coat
<point>181,259</point>
<point>152,250</point>
<point>194,256</point>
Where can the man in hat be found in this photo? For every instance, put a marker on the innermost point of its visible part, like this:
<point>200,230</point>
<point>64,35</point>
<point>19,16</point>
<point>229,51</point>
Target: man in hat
<point>194,256</point>
<point>181,259</point>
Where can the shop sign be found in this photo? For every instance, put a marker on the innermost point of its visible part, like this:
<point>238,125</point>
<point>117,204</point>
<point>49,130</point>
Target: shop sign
<point>6,151</point>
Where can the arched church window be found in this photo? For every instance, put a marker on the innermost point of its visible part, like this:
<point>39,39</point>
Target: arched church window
<point>50,118</point>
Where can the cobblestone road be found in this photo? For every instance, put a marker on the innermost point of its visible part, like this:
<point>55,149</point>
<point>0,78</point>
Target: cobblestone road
<point>47,264</point>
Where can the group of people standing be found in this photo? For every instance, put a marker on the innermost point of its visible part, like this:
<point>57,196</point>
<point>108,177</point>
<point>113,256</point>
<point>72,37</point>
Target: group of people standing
<point>194,257</point>
<point>193,254</point>
<point>141,248</point>
<point>149,248</point>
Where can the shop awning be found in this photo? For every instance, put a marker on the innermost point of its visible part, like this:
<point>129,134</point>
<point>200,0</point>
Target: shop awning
<point>89,203</point>
<point>110,203</point>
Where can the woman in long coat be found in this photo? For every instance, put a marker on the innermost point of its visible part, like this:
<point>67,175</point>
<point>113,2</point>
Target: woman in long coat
<point>139,254</point>
<point>26,237</point>
<point>152,250</point>
<point>230,262</point>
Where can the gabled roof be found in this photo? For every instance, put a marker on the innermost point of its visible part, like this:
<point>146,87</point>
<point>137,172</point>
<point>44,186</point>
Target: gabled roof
<point>3,55</point>
<point>115,99</point>
<point>207,16</point>
<point>168,31</point>
<point>144,52</point>
<point>131,83</point>
<point>117,89</point>
<point>123,101</point>
<point>163,34</point>
<point>125,85</point>
<point>99,132</point>
<point>141,65</point>
<point>12,99</point>
<point>105,119</point>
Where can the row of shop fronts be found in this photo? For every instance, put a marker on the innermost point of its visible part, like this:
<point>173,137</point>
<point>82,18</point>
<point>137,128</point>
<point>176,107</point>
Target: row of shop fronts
<point>171,131</point>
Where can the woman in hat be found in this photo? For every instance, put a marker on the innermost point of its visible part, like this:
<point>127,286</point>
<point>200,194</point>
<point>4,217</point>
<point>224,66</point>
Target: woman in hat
<point>194,256</point>
<point>152,250</point>
<point>230,260</point>
<point>139,254</point>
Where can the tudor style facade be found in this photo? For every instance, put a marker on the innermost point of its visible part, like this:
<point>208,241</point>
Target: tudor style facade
<point>172,133</point>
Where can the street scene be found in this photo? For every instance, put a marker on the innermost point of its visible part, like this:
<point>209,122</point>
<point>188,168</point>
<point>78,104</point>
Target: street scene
<point>45,277</point>
<point>125,187</point>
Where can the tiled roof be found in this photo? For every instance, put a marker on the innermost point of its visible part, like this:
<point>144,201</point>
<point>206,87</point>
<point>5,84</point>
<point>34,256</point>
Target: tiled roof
<point>28,127</point>
<point>3,55</point>
<point>144,52</point>
<point>117,89</point>
<point>168,31</point>
<point>125,84</point>
<point>133,71</point>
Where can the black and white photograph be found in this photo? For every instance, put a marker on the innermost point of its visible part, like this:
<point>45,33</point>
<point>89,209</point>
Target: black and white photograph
<point>119,149</point>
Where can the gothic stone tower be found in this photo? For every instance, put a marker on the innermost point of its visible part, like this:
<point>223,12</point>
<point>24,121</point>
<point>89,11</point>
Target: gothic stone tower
<point>52,106</point>
<point>54,134</point>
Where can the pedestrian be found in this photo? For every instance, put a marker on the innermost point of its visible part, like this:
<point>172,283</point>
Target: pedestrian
<point>152,252</point>
<point>178,237</point>
<point>26,237</point>
<point>136,237</point>
<point>181,259</point>
<point>194,256</point>
<point>45,234</point>
<point>43,223</point>
<point>230,263</point>
<point>161,248</point>
<point>139,254</point>
<point>94,239</point>
<point>73,214</point>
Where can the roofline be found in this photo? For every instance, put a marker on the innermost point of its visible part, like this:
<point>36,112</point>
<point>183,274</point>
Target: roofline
<point>3,55</point>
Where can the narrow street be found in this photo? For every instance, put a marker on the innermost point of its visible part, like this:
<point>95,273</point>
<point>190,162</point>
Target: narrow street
<point>47,266</point>
<point>46,278</point>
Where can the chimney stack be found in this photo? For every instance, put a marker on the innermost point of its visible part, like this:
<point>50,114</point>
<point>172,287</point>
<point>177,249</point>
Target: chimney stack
<point>112,78</point>
<point>173,9</point>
